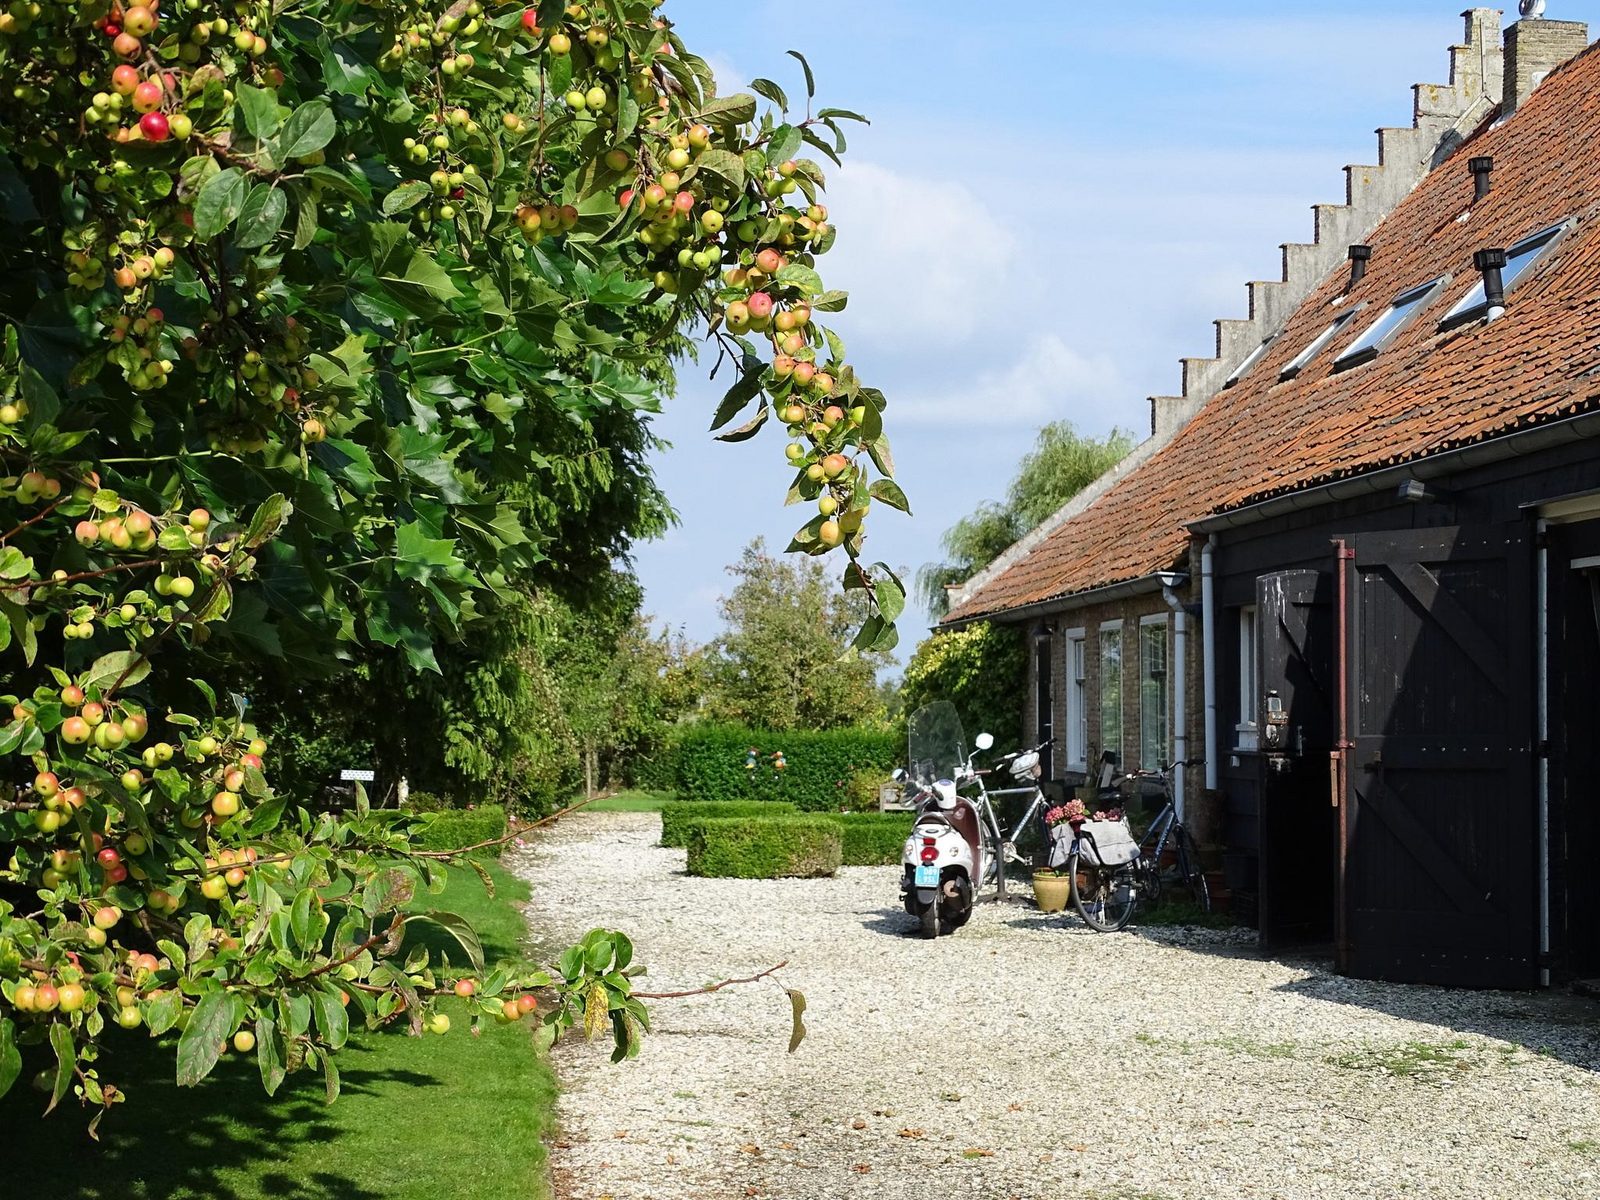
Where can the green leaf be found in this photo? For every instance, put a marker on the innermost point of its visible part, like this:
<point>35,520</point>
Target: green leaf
<point>408,195</point>
<point>811,81</point>
<point>302,921</point>
<point>330,1078</point>
<point>127,665</point>
<point>308,129</point>
<point>66,1059</point>
<point>891,494</point>
<point>749,429</point>
<point>259,107</point>
<point>209,1025</point>
<point>219,202</point>
<point>741,393</point>
<point>833,301</point>
<point>730,110</point>
<point>834,114</point>
<point>265,522</point>
<point>332,1019</point>
<point>891,596</point>
<point>771,91</point>
<point>269,1054</point>
<point>14,564</point>
<point>881,457</point>
<point>786,140</point>
<point>162,1012</point>
<point>459,928</point>
<point>262,216</point>
<point>419,556</point>
<point>10,1056</point>
<point>796,275</point>
<point>725,164</point>
<point>423,272</point>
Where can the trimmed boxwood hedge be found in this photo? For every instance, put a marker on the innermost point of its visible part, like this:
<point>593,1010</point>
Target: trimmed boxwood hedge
<point>765,847</point>
<point>678,815</point>
<point>458,827</point>
<point>708,763</point>
<point>874,839</point>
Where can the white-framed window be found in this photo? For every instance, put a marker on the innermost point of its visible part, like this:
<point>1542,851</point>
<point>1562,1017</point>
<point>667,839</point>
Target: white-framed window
<point>1111,688</point>
<point>1248,683</point>
<point>1044,704</point>
<point>1154,693</point>
<point>1077,714</point>
<point>1303,359</point>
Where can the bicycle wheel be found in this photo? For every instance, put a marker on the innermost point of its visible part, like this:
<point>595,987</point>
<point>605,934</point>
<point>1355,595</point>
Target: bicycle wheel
<point>1189,868</point>
<point>1103,896</point>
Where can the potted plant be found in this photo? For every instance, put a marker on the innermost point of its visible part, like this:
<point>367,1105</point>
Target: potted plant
<point>1052,886</point>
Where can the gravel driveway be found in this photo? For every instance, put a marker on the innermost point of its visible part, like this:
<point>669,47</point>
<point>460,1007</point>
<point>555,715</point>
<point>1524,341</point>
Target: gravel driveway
<point>1028,1057</point>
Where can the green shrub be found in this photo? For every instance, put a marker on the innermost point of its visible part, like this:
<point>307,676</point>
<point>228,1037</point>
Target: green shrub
<point>678,815</point>
<point>765,847</point>
<point>454,828</point>
<point>873,839</point>
<point>708,763</point>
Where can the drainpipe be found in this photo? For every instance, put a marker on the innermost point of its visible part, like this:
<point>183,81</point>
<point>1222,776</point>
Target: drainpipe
<point>1208,650</point>
<point>1180,706</point>
<point>1542,656</point>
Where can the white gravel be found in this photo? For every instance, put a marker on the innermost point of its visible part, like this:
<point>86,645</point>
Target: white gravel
<point>1028,1057</point>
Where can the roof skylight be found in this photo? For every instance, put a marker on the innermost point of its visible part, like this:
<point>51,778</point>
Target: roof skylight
<point>1250,360</point>
<point>1520,259</point>
<point>1401,312</point>
<point>1318,343</point>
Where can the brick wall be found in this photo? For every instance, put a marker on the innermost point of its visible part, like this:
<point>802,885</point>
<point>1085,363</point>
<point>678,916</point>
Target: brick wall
<point>1202,814</point>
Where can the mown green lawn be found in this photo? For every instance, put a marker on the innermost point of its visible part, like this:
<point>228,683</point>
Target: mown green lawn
<point>430,1118</point>
<point>633,801</point>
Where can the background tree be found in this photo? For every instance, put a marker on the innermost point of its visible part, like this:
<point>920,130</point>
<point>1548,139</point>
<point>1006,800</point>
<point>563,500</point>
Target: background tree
<point>779,663</point>
<point>979,669</point>
<point>1061,465</point>
<point>325,328</point>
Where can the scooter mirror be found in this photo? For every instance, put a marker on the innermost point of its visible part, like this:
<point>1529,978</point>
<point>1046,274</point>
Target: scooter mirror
<point>899,775</point>
<point>984,741</point>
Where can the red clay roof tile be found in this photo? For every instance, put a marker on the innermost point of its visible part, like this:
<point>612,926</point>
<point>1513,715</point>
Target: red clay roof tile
<point>1426,392</point>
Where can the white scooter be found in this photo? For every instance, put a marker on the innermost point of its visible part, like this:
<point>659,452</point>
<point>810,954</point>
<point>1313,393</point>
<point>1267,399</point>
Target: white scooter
<point>942,862</point>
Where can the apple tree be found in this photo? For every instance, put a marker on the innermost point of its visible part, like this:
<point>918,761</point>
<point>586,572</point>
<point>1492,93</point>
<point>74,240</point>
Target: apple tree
<point>314,315</point>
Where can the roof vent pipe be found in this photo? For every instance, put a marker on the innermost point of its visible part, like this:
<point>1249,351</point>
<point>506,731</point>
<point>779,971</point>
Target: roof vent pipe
<point>1359,256</point>
<point>1491,262</point>
<point>1481,169</point>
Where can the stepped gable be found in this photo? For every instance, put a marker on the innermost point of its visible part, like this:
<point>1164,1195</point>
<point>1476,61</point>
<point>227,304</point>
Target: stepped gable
<point>1443,114</point>
<point>1428,391</point>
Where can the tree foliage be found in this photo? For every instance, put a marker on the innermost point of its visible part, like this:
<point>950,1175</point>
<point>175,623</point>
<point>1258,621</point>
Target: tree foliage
<point>324,327</point>
<point>1061,465</point>
<point>981,670</point>
<point>780,662</point>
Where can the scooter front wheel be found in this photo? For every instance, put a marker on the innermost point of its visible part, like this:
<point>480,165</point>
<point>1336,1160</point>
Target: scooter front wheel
<point>930,918</point>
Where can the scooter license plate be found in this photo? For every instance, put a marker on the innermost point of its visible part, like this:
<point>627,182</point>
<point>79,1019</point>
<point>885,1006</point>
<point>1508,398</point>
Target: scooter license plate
<point>927,876</point>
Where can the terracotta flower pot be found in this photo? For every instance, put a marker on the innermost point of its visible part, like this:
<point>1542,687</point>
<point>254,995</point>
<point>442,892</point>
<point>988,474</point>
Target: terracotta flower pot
<point>1051,891</point>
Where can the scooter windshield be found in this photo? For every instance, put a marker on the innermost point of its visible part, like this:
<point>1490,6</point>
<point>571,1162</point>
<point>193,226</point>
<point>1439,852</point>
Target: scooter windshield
<point>936,746</point>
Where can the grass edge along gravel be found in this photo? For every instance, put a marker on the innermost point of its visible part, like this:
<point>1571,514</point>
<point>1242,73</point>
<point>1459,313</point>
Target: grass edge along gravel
<point>439,1118</point>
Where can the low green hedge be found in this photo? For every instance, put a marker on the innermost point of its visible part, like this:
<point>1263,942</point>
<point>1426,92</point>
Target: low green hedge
<point>454,828</point>
<point>765,847</point>
<point>678,815</point>
<point>708,763</point>
<point>873,839</point>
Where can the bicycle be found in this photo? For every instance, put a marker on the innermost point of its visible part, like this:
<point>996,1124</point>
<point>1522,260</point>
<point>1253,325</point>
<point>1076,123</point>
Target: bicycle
<point>1164,829</point>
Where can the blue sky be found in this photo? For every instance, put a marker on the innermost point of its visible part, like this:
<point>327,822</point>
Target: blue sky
<point>1052,204</point>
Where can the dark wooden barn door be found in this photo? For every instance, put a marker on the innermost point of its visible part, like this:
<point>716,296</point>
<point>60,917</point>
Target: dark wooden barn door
<point>1294,633</point>
<point>1438,824</point>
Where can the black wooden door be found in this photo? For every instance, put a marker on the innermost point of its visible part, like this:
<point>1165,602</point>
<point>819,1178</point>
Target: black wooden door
<point>1294,635</point>
<point>1437,831</point>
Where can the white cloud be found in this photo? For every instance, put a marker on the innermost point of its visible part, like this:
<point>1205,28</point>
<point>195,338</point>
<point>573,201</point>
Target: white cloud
<point>922,258</point>
<point>1047,381</point>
